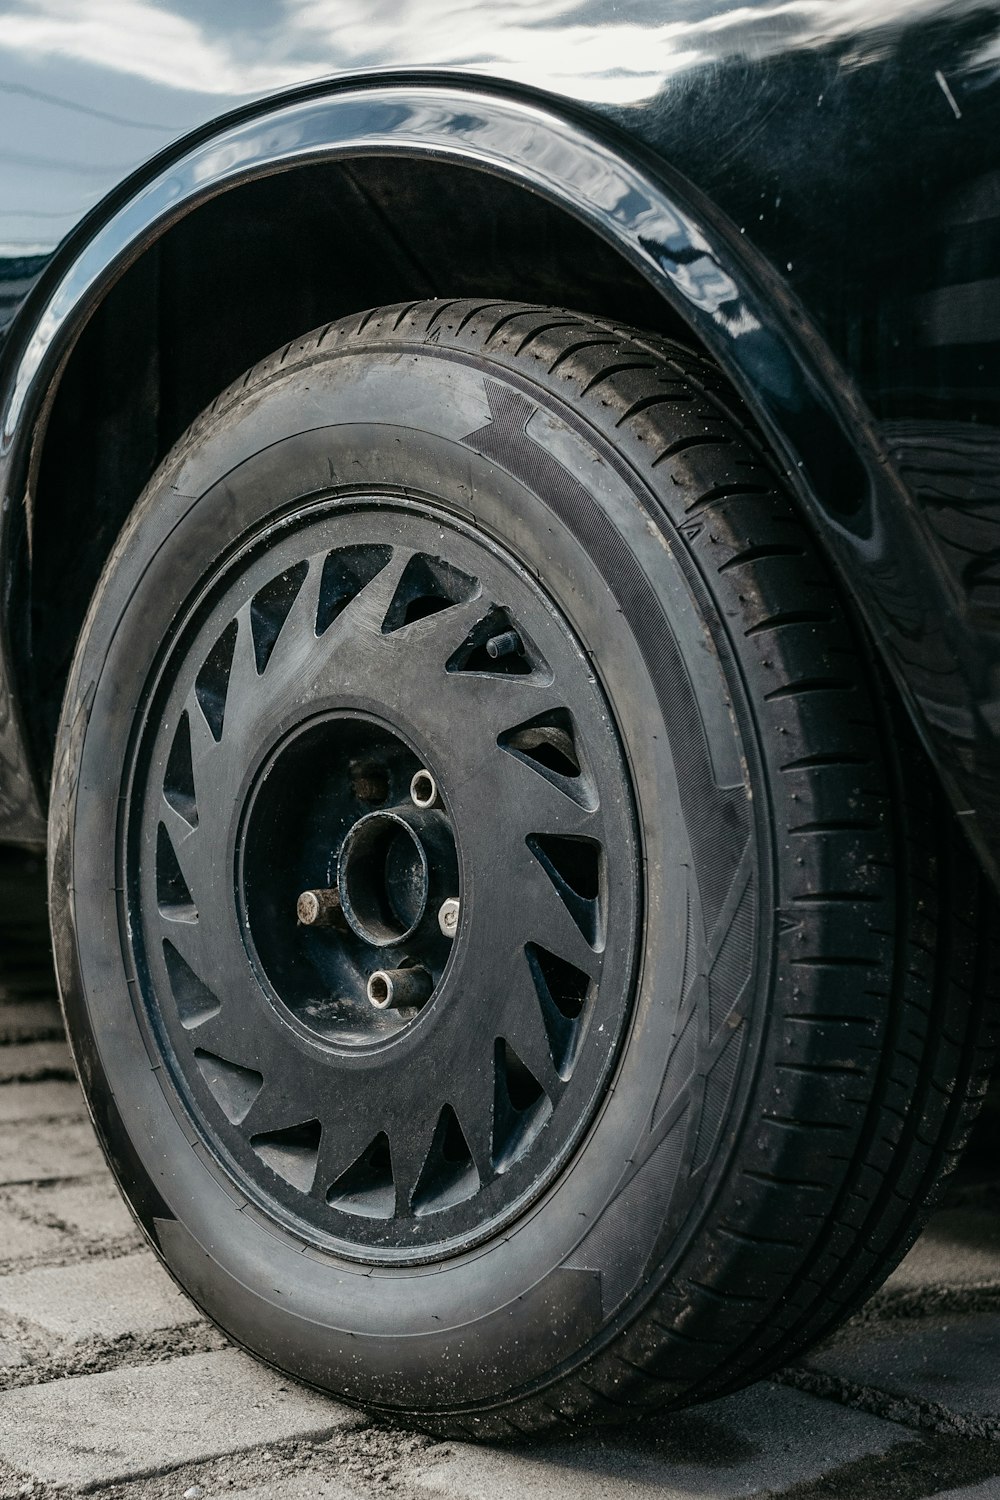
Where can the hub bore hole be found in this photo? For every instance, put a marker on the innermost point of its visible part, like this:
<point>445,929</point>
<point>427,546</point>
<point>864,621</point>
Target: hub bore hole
<point>383,879</point>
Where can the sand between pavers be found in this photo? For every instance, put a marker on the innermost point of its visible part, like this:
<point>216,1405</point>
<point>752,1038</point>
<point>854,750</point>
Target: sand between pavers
<point>31,1021</point>
<point>27,1060</point>
<point>53,1098</point>
<point>45,1151</point>
<point>99,1429</point>
<point>20,1239</point>
<point>309,1486</point>
<point>101,1299</point>
<point>91,1208</point>
<point>959,1248</point>
<point>766,1438</point>
<point>951,1361</point>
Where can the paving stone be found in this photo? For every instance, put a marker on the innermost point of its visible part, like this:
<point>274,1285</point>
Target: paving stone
<point>92,1208</point>
<point>49,1100</point>
<point>31,1021</point>
<point>959,1248</point>
<point>951,1361</point>
<point>29,1060</point>
<point>148,1418</point>
<point>27,973</point>
<point>97,1298</point>
<point>766,1438</point>
<point>40,1152</point>
<point>20,1239</point>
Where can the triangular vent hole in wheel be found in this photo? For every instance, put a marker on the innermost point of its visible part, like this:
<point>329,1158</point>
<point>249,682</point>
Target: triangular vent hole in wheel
<point>449,1174</point>
<point>520,1106</point>
<point>346,572</point>
<point>562,992</point>
<point>291,1153</point>
<point>270,608</point>
<point>234,1088</point>
<point>548,744</point>
<point>172,895</point>
<point>367,1188</point>
<point>574,867</point>
<point>178,779</point>
<point>427,586</point>
<point>195,1002</point>
<point>212,682</point>
<point>496,647</point>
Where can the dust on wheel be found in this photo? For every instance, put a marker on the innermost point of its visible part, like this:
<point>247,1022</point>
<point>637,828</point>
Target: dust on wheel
<point>518,966</point>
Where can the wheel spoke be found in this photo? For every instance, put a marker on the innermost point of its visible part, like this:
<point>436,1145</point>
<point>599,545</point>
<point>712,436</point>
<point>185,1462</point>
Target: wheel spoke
<point>473,1106</point>
<point>212,770</point>
<point>521,1023</point>
<point>241,689</point>
<point>348,637</point>
<point>546,917</point>
<point>293,1089</point>
<point>367,609</point>
<point>406,660</point>
<point>183,838</point>
<point>297,637</point>
<point>500,702</point>
<point>531,803</point>
<point>347,1135</point>
<point>410,1144</point>
<point>235,1036</point>
<point>199,947</point>
<point>423,648</point>
<point>302,660</point>
<point>196,852</point>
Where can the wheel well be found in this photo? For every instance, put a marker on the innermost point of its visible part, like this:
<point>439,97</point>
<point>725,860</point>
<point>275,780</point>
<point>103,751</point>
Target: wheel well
<point>238,277</point>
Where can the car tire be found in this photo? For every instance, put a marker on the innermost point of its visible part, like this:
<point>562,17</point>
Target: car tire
<point>672,1093</point>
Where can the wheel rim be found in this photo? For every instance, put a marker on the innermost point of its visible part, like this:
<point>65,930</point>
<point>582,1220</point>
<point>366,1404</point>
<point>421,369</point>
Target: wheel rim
<point>381,863</point>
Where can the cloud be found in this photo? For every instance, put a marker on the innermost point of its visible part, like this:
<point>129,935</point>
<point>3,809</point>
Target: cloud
<point>531,41</point>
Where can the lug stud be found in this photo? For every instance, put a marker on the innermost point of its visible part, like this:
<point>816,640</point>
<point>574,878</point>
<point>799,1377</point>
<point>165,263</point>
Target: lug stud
<point>508,643</point>
<point>320,908</point>
<point>424,791</point>
<point>448,914</point>
<point>392,989</point>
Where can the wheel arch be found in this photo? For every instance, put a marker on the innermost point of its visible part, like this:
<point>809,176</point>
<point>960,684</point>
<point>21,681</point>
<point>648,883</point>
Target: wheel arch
<point>712,281</point>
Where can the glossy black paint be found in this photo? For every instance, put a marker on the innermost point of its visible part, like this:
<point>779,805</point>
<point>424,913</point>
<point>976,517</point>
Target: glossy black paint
<point>814,187</point>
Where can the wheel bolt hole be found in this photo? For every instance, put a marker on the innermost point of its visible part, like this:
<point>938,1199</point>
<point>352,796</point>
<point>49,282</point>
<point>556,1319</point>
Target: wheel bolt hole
<point>424,790</point>
<point>369,782</point>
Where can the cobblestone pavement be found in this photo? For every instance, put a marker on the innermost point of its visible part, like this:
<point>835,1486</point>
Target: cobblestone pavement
<point>110,1381</point>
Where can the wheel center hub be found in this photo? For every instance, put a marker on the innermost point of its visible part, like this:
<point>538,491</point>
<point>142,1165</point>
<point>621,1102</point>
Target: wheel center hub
<point>349,860</point>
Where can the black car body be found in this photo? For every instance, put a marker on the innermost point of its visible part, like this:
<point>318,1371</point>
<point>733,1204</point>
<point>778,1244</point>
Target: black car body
<point>807,193</point>
<point>811,190</point>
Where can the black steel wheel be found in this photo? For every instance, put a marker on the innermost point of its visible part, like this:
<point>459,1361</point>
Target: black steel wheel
<point>517,968</point>
<point>381,828</point>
